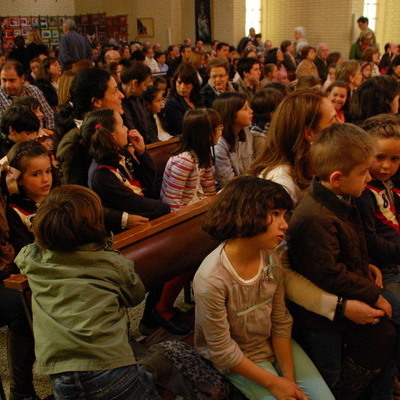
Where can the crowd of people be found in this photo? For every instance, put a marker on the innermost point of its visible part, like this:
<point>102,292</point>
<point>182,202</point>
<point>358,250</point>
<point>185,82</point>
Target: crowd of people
<point>294,130</point>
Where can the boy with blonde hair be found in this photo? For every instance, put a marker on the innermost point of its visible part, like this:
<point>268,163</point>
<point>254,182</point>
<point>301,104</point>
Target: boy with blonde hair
<point>326,245</point>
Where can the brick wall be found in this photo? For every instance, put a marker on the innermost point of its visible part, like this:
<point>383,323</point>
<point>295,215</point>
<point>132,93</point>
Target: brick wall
<point>388,27</point>
<point>39,7</point>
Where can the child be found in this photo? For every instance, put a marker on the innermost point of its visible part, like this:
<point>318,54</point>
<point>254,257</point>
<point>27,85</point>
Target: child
<point>339,94</point>
<point>242,324</point>
<point>188,175</point>
<point>379,205</point>
<point>81,290</point>
<point>234,151</point>
<point>18,124</point>
<point>326,245</point>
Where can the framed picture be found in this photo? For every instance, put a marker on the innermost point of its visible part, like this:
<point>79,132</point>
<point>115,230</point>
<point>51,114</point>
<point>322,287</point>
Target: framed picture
<point>17,32</point>
<point>53,22</point>
<point>5,22</point>
<point>43,23</point>
<point>55,34</point>
<point>85,19</point>
<point>95,19</point>
<point>61,21</point>
<point>202,11</point>
<point>15,21</point>
<point>35,20</point>
<point>54,42</point>
<point>122,19</point>
<point>145,27</point>
<point>46,34</point>
<point>25,21</point>
<point>25,30</point>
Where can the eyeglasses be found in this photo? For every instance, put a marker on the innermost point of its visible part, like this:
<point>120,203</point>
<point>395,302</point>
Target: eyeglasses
<point>218,76</point>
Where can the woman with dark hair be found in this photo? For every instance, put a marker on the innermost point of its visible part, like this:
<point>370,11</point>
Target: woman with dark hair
<point>234,150</point>
<point>394,69</point>
<point>275,56</point>
<point>288,59</point>
<point>184,95</point>
<point>377,95</point>
<point>307,66</point>
<point>91,89</point>
<point>371,54</point>
<point>339,94</point>
<point>135,79</point>
<point>47,80</point>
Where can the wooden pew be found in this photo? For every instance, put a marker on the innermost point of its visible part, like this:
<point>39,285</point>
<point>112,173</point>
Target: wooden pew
<point>169,245</point>
<point>160,152</point>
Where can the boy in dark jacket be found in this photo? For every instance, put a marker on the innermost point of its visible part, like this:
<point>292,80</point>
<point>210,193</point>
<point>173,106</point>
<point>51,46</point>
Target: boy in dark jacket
<point>326,244</point>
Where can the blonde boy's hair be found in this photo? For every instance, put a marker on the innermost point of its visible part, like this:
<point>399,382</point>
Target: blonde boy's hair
<point>383,126</point>
<point>340,147</point>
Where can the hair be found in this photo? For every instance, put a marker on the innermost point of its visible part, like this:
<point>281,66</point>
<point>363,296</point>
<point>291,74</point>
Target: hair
<point>183,47</point>
<point>158,54</point>
<point>28,101</point>
<point>20,118</point>
<point>333,58</point>
<point>219,62</point>
<point>263,104</point>
<point>80,65</point>
<point>374,96</point>
<point>187,73</point>
<point>21,152</point>
<point>301,30</point>
<point>346,69</point>
<point>272,57</point>
<point>286,142</point>
<point>34,37</point>
<point>365,64</point>
<point>138,71</point>
<point>44,69</point>
<point>278,86</point>
<point>369,52</point>
<point>64,86</point>
<point>243,43</point>
<point>241,210</point>
<point>15,65</point>
<point>247,50</point>
<point>112,68</point>
<point>245,65</point>
<point>227,105</point>
<point>150,94</point>
<point>307,82</point>
<point>394,63</point>
<point>69,217</point>
<point>220,45</point>
<point>363,19</point>
<point>270,67</point>
<point>88,85</point>
<point>96,136</point>
<point>198,130</point>
<point>138,55</point>
<point>383,126</point>
<point>340,147</point>
<point>69,25</point>
<point>284,45</point>
<point>197,58</point>
<point>305,50</point>
<point>342,85</point>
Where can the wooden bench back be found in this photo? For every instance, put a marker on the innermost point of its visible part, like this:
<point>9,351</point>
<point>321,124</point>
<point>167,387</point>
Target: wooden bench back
<point>160,152</point>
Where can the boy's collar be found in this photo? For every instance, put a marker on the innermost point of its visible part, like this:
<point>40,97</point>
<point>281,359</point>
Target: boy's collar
<point>341,206</point>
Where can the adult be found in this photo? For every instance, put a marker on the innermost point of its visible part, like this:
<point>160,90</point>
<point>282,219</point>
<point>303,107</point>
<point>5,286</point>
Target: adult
<point>350,72</point>
<point>47,80</point>
<point>35,46</point>
<point>112,56</point>
<point>365,29</point>
<point>300,34</point>
<point>371,55</point>
<point>307,66</point>
<point>391,50</point>
<point>185,53</point>
<point>184,95</point>
<point>321,61</point>
<point>366,39</point>
<point>134,81</point>
<point>150,61</point>
<point>249,70</point>
<point>288,59</point>
<point>172,53</point>
<point>73,46</point>
<point>218,82</point>
<point>13,85</point>
<point>275,56</point>
<point>222,50</point>
<point>20,51</point>
<point>394,69</point>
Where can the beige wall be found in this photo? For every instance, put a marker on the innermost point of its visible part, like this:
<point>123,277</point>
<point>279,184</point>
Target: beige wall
<point>325,21</point>
<point>38,7</point>
<point>388,27</point>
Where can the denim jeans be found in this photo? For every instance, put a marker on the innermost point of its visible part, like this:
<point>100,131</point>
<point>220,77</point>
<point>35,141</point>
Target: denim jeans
<point>125,383</point>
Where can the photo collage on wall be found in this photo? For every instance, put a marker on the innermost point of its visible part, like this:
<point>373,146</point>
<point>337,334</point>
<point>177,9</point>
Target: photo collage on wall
<point>96,27</point>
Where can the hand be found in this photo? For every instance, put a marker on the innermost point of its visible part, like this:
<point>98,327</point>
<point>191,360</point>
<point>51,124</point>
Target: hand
<point>285,389</point>
<point>376,275</point>
<point>135,220</point>
<point>361,313</point>
<point>384,305</point>
<point>136,139</point>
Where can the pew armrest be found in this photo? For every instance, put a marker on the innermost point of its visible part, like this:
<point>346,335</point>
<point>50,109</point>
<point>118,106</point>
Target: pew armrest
<point>16,282</point>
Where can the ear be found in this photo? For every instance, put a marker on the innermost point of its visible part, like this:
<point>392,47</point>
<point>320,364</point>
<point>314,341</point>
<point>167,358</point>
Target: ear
<point>309,134</point>
<point>98,103</point>
<point>133,85</point>
<point>335,179</point>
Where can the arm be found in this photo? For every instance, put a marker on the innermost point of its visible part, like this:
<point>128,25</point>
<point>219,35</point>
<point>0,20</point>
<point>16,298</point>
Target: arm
<point>132,290</point>
<point>224,172</point>
<point>381,250</point>
<point>207,182</point>
<point>19,234</point>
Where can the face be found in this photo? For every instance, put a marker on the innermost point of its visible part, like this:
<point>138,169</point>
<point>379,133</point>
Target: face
<point>279,55</point>
<point>95,54</point>
<point>126,53</point>
<point>157,104</point>
<point>332,73</point>
<point>396,70</point>
<point>2,59</point>
<point>223,52</point>
<point>375,58</point>
<point>112,98</point>
<point>140,87</point>
<point>354,183</point>
<point>217,133</point>
<point>37,179</point>
<point>243,117</point>
<point>328,115</point>
<point>254,74</point>
<point>120,131</point>
<point>251,54</point>
<point>367,71</point>
<point>11,83</point>
<point>39,114</point>
<point>393,48</point>
<point>338,97</point>
<point>219,78</point>
<point>199,45</point>
<point>150,53</point>
<point>187,52</point>
<point>275,233</point>
<point>311,55</point>
<point>394,105</point>
<point>161,59</point>
<point>112,56</point>
<point>23,136</point>
<point>34,67</point>
<point>55,69</point>
<point>323,52</point>
<point>175,52</point>
<point>355,80</point>
<point>183,89</point>
<point>386,160</point>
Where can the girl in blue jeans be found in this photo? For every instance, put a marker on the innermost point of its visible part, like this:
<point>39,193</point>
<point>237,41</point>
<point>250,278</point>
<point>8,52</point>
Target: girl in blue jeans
<point>80,291</point>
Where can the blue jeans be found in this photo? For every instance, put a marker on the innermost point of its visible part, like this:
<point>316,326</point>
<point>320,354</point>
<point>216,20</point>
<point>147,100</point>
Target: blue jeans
<point>125,383</point>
